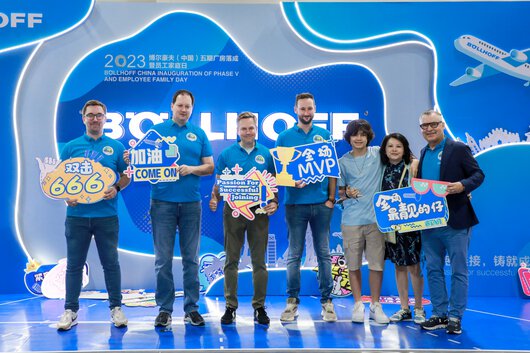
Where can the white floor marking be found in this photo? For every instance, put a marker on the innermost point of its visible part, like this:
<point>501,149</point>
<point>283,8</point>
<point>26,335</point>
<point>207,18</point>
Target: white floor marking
<point>20,300</point>
<point>498,315</point>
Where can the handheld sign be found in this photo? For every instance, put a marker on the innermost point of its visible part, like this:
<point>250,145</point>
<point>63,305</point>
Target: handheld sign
<point>422,186</point>
<point>404,210</point>
<point>309,163</point>
<point>243,192</point>
<point>76,178</point>
<point>154,159</point>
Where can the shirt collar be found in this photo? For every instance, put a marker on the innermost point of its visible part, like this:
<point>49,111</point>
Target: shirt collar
<point>439,146</point>
<point>243,148</point>
<point>299,129</point>
<point>187,126</point>
<point>90,139</point>
<point>397,166</point>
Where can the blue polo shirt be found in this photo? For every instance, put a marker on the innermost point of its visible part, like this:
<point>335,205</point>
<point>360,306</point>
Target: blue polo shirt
<point>430,167</point>
<point>193,145</point>
<point>109,153</point>
<point>311,193</point>
<point>259,157</point>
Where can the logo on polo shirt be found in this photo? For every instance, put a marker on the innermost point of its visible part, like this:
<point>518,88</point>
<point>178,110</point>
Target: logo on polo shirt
<point>440,155</point>
<point>259,159</point>
<point>109,151</point>
<point>318,138</point>
<point>191,136</point>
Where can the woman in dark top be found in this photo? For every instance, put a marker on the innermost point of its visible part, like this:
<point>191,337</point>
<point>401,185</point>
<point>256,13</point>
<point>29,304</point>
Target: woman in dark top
<point>405,252</point>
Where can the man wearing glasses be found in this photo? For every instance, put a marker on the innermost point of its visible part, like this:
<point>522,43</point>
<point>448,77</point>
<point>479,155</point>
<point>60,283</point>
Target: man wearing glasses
<point>451,161</point>
<point>99,219</point>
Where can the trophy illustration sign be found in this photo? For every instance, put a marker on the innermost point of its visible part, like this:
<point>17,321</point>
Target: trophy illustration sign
<point>242,192</point>
<point>154,159</point>
<point>285,155</point>
<point>309,163</point>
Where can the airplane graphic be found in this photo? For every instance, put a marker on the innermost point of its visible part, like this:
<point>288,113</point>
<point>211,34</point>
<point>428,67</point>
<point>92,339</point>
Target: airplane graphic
<point>494,61</point>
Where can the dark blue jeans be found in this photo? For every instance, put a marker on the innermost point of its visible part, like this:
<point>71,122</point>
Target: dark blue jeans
<point>436,243</point>
<point>318,217</point>
<point>166,217</point>
<point>79,232</point>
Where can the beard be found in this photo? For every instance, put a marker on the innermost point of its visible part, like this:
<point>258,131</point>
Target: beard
<point>305,120</point>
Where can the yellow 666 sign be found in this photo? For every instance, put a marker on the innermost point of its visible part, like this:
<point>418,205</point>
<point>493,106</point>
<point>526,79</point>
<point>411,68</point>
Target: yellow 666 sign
<point>78,178</point>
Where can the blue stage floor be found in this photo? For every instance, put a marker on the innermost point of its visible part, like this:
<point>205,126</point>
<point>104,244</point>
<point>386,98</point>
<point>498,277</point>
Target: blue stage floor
<point>28,324</point>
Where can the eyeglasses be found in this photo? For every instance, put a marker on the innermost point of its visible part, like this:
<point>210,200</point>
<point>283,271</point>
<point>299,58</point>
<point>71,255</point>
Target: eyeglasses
<point>422,186</point>
<point>97,116</point>
<point>432,125</point>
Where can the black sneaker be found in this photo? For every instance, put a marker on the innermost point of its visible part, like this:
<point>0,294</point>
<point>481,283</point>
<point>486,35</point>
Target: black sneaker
<point>434,323</point>
<point>163,319</point>
<point>229,316</point>
<point>454,326</point>
<point>194,318</point>
<point>260,316</point>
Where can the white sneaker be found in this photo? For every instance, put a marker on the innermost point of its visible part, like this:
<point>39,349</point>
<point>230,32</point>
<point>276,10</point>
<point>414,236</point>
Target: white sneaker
<point>291,310</point>
<point>358,312</point>
<point>328,312</point>
<point>377,314</point>
<point>118,317</point>
<point>67,320</point>
<point>419,316</point>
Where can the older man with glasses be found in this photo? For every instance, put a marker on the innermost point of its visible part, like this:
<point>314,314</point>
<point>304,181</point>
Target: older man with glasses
<point>451,161</point>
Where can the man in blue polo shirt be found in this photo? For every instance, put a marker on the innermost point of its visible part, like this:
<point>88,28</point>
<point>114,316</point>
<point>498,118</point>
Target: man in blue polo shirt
<point>308,204</point>
<point>451,161</point>
<point>177,205</point>
<point>247,154</point>
<point>98,219</point>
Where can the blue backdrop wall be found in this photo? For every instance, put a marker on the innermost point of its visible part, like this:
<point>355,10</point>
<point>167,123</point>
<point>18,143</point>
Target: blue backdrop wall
<point>385,62</point>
